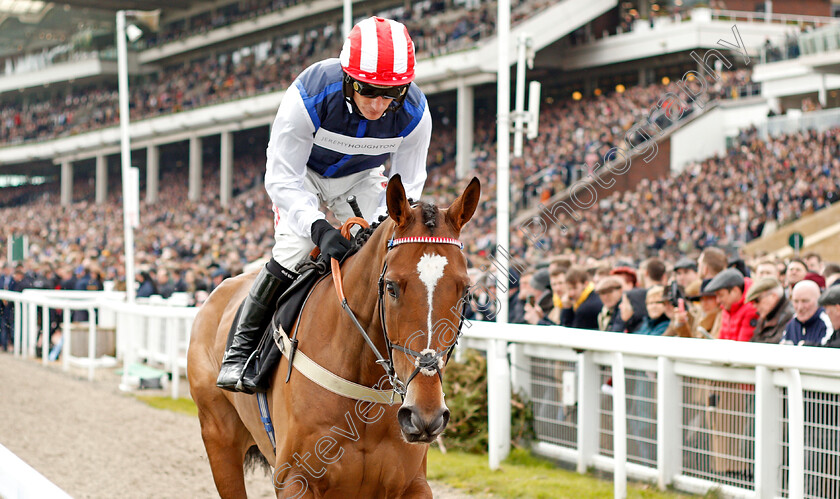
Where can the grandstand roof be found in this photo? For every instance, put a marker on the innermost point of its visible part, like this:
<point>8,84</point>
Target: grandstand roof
<point>31,25</point>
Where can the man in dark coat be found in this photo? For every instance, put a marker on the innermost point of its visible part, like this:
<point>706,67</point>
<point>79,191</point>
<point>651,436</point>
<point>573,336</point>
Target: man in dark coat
<point>582,303</point>
<point>773,307</point>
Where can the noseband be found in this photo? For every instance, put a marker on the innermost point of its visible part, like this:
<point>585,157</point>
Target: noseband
<point>428,362</point>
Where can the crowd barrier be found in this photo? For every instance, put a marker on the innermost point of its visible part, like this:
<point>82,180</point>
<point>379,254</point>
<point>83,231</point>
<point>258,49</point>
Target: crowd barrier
<point>750,420</point>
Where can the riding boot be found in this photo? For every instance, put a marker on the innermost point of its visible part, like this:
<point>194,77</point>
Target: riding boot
<point>268,286</point>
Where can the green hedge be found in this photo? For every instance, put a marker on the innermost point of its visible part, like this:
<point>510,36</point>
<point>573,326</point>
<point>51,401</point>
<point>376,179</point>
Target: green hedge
<point>465,386</point>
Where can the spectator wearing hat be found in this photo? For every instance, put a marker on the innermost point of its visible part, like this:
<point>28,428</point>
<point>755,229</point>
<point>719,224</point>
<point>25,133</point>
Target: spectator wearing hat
<point>627,275</point>
<point>537,300</point>
<point>583,304</point>
<point>609,291</point>
<point>700,317</point>
<point>830,301</point>
<point>685,271</point>
<point>813,276</point>
<point>738,319</point>
<point>811,325</point>
<point>773,307</point>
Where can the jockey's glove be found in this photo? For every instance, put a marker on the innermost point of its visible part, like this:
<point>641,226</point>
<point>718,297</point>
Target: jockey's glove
<point>329,239</point>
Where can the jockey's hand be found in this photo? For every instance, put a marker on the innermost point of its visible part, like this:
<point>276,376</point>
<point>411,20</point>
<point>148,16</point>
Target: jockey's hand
<point>329,239</point>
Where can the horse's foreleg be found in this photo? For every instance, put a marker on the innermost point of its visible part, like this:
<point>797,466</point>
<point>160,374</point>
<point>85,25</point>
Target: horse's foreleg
<point>226,440</point>
<point>419,489</point>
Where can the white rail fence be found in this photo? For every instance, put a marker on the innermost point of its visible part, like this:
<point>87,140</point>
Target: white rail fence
<point>750,420</point>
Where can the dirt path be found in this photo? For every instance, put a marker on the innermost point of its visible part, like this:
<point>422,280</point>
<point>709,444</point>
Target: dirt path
<point>94,441</point>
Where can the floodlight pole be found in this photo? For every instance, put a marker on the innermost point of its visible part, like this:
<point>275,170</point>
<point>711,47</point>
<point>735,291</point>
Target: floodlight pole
<point>125,147</point>
<point>498,399</point>
<point>348,17</point>
<point>503,160</point>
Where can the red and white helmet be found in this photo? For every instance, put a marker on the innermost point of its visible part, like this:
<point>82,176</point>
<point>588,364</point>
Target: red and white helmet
<point>379,51</point>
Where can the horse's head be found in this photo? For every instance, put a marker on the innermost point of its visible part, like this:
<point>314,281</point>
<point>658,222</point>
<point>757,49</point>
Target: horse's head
<point>422,287</point>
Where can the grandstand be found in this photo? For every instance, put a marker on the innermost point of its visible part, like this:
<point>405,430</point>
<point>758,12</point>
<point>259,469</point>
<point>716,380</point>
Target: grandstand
<point>666,127</point>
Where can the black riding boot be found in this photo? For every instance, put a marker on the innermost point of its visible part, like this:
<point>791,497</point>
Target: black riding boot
<point>264,292</point>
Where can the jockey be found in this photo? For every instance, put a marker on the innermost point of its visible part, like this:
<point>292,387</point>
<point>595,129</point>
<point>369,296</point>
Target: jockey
<point>336,125</point>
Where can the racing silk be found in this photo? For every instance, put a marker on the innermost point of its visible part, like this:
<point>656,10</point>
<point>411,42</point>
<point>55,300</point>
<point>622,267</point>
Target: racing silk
<point>316,128</point>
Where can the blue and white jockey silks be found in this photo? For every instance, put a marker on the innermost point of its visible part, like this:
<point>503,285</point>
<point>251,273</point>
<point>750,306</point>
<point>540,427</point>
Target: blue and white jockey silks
<point>317,132</point>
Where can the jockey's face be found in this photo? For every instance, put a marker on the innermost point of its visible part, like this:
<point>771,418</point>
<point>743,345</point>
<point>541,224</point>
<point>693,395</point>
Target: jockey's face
<point>372,108</point>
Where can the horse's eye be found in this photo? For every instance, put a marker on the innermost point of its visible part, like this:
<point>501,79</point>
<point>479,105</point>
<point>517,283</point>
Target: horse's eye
<point>392,288</point>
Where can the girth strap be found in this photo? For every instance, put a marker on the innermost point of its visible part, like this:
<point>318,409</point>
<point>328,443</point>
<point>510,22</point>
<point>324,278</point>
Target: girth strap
<point>331,381</point>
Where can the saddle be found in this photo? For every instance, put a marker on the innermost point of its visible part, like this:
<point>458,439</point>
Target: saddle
<point>264,360</point>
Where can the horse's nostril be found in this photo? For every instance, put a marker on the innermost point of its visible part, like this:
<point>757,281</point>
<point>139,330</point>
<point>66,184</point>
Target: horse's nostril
<point>439,423</point>
<point>406,417</point>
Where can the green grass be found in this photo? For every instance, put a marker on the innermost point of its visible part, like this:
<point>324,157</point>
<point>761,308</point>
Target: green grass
<point>524,475</point>
<point>181,405</point>
<point>521,475</point>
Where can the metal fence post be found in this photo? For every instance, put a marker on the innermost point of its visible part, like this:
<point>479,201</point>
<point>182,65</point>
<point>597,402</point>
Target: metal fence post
<point>520,372</point>
<point>619,427</point>
<point>498,402</point>
<point>32,327</point>
<point>45,335</point>
<point>19,336</point>
<point>91,341</point>
<point>589,389</point>
<point>668,418</point>
<point>768,409</point>
<point>68,342</point>
<point>796,434</point>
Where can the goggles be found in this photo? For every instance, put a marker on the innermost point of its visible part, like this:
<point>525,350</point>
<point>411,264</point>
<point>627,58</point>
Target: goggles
<point>373,91</point>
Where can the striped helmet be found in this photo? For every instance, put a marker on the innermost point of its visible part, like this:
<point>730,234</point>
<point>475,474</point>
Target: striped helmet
<point>379,51</point>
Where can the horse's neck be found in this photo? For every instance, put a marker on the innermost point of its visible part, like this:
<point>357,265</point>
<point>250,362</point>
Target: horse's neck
<point>360,276</point>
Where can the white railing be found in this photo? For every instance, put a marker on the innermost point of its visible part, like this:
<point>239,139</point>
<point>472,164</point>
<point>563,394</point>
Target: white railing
<point>157,334</point>
<point>795,121</point>
<point>751,420</point>
<point>798,20</point>
<point>695,414</point>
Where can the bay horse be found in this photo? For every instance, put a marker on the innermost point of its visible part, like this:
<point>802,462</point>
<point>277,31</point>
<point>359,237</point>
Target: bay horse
<point>407,280</point>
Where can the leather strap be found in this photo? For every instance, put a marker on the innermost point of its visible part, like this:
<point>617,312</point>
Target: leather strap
<point>331,381</point>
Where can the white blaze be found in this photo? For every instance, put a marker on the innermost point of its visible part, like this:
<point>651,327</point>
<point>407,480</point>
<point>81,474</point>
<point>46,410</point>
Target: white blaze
<point>430,268</point>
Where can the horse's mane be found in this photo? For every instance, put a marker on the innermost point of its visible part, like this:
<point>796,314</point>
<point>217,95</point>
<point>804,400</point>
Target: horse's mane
<point>430,213</point>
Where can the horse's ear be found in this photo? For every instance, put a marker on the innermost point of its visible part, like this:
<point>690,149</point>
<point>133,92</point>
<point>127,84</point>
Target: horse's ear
<point>398,208</point>
<point>461,210</point>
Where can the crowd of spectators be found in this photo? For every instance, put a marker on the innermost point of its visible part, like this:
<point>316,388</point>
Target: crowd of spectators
<point>707,295</point>
<point>725,200</point>
<point>436,27</point>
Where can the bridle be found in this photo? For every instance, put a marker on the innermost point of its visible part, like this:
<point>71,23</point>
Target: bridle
<point>428,362</point>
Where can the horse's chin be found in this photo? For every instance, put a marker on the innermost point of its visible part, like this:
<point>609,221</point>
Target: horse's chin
<point>422,438</point>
